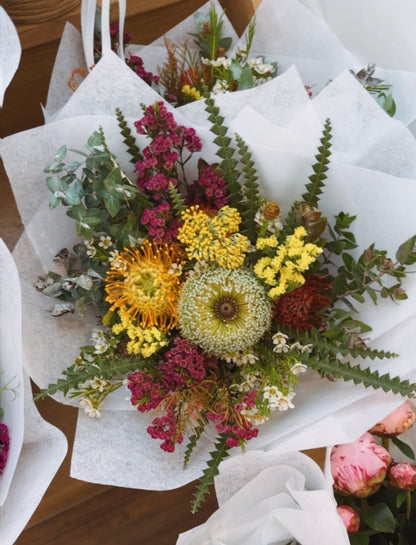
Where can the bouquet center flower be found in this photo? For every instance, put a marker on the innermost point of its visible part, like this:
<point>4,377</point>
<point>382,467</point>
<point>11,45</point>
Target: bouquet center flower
<point>224,310</point>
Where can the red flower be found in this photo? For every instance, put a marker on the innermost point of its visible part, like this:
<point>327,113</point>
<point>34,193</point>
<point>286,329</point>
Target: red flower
<point>300,308</point>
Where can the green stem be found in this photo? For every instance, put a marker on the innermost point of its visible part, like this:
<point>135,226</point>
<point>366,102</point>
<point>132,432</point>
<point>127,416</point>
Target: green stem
<point>364,505</point>
<point>408,504</point>
<point>385,442</point>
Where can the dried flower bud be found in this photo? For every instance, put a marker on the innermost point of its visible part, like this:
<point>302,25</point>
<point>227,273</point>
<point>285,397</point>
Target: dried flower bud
<point>271,211</point>
<point>349,517</point>
<point>403,476</point>
<point>397,422</point>
<point>360,467</point>
<point>368,253</point>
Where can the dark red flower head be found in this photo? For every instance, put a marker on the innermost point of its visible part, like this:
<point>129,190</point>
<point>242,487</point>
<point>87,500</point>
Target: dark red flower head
<point>301,308</point>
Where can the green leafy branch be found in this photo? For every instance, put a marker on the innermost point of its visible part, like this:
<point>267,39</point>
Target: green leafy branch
<point>208,474</point>
<point>226,152</point>
<point>193,440</point>
<point>129,140</point>
<point>252,197</point>
<point>314,188</point>
<point>365,376</point>
<point>107,368</point>
<point>367,274</point>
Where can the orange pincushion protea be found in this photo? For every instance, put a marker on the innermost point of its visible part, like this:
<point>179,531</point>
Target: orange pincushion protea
<point>145,281</point>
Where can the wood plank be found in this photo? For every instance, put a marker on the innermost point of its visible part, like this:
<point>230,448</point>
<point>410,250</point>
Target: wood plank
<point>125,516</point>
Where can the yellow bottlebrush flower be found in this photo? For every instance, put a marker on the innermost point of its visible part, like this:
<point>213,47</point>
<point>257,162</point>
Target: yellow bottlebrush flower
<point>191,93</point>
<point>214,239</point>
<point>146,285</point>
<point>284,271</point>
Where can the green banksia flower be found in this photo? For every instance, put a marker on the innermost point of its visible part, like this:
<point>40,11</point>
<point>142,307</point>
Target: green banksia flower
<point>223,310</point>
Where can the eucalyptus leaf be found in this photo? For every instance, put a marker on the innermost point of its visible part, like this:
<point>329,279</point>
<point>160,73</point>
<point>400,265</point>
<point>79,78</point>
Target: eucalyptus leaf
<point>85,282</point>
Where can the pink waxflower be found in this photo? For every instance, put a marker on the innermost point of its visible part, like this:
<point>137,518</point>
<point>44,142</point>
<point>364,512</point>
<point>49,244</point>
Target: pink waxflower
<point>350,518</point>
<point>397,422</point>
<point>360,467</point>
<point>403,475</point>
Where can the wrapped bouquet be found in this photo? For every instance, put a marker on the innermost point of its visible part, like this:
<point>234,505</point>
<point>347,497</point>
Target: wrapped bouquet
<point>211,302</point>
<point>228,269</point>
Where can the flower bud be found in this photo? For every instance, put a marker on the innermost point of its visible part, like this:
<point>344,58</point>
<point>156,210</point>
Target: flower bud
<point>397,422</point>
<point>359,468</point>
<point>350,518</point>
<point>403,475</point>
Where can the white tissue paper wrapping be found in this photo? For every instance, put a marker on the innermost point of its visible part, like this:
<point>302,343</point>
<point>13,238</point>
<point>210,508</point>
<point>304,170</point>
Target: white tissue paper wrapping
<point>290,31</point>
<point>43,451</point>
<point>269,499</point>
<point>373,30</point>
<point>11,369</point>
<point>366,182</point>
<point>10,52</point>
<point>32,440</point>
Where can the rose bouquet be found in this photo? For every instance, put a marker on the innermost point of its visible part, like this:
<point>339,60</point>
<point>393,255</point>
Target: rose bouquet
<point>211,302</point>
<point>374,485</point>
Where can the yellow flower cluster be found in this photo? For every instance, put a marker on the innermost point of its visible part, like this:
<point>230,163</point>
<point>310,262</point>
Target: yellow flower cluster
<point>214,239</point>
<point>284,270</point>
<point>191,92</point>
<point>143,342</point>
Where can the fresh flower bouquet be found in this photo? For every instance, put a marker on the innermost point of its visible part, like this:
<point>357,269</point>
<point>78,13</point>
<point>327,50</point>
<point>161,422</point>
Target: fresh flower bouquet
<point>211,300</point>
<point>374,487</point>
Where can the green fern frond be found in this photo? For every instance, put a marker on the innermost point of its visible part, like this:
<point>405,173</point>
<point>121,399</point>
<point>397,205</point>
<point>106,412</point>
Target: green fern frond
<point>193,440</point>
<point>75,375</point>
<point>314,188</point>
<point>364,376</point>
<point>177,199</point>
<point>226,152</point>
<point>208,474</point>
<point>129,140</point>
<point>252,197</point>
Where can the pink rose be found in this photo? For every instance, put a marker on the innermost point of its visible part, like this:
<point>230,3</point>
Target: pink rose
<point>403,475</point>
<point>359,468</point>
<point>349,517</point>
<point>396,422</point>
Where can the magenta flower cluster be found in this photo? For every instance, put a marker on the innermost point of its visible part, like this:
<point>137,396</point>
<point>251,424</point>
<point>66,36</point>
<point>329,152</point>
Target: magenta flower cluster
<point>209,191</point>
<point>136,63</point>
<point>161,225</point>
<point>162,166</point>
<point>238,429</point>
<point>183,366</point>
<point>4,445</point>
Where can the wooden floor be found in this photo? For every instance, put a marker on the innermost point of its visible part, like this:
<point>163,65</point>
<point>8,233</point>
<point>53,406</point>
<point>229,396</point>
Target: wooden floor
<point>73,512</point>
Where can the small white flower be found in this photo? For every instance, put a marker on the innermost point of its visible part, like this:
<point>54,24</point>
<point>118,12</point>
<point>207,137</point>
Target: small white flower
<point>298,368</point>
<point>89,408</point>
<point>105,242</point>
<point>220,87</point>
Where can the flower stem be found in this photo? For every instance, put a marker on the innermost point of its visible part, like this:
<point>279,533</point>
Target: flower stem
<point>385,441</point>
<point>408,504</point>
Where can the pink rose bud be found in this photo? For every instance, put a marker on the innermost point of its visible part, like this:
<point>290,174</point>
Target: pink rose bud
<point>349,517</point>
<point>360,467</point>
<point>403,475</point>
<point>396,422</point>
